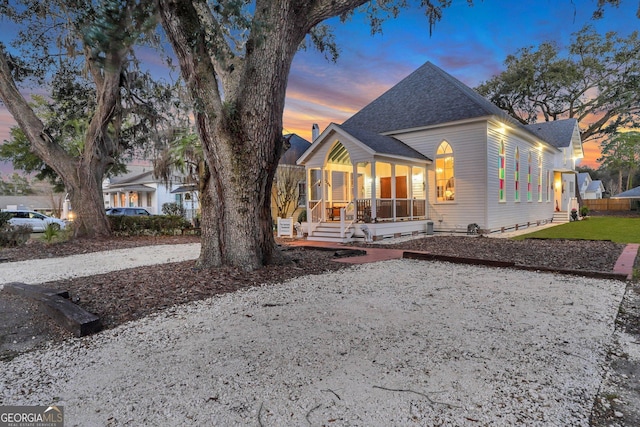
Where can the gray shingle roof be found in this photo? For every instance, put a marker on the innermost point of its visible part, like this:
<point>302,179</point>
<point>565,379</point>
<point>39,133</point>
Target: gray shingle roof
<point>634,193</point>
<point>594,186</point>
<point>298,146</point>
<point>428,96</point>
<point>582,176</point>
<point>557,133</point>
<point>382,144</point>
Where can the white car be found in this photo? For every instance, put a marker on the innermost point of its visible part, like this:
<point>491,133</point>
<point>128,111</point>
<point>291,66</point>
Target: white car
<point>37,221</point>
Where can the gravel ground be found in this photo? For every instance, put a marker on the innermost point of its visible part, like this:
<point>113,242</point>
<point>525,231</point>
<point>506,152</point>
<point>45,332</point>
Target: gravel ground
<point>393,343</point>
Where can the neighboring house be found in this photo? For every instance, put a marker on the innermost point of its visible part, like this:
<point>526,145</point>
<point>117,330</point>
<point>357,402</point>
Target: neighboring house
<point>289,186</point>
<point>139,188</point>
<point>589,189</point>
<point>50,205</point>
<point>431,153</point>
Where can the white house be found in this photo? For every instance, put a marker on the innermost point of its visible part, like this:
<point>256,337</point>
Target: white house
<point>589,189</point>
<point>139,188</point>
<point>431,153</point>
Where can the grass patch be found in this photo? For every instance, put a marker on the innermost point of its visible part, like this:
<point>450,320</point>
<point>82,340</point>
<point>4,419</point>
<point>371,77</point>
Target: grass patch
<point>618,230</point>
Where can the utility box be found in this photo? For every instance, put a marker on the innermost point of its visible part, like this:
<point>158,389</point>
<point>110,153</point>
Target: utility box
<point>429,228</point>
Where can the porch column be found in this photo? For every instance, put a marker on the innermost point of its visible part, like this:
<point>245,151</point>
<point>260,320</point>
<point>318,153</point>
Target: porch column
<point>354,183</point>
<point>410,192</point>
<point>374,212</point>
<point>309,184</point>
<point>323,193</point>
<point>393,191</point>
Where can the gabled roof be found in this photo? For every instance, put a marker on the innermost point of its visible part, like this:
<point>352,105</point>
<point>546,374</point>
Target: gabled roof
<point>594,186</point>
<point>381,144</point>
<point>559,133</point>
<point>427,97</point>
<point>582,177</point>
<point>371,142</point>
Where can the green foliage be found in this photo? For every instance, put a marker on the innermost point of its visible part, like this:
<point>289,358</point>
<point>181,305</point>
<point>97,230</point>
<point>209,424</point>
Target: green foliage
<point>302,216</point>
<point>16,185</point>
<point>597,77</point>
<point>619,230</point>
<point>4,218</point>
<point>621,155</point>
<point>584,211</point>
<point>153,225</point>
<point>51,232</point>
<point>14,236</point>
<point>173,209</point>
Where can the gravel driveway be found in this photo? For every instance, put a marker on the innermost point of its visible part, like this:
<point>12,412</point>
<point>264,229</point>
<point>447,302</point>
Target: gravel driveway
<point>392,343</point>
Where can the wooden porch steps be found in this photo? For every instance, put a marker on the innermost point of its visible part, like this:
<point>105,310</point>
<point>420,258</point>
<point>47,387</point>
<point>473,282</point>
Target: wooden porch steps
<point>329,232</point>
<point>560,217</point>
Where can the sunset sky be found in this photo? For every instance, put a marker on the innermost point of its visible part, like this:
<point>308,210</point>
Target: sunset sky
<point>469,43</point>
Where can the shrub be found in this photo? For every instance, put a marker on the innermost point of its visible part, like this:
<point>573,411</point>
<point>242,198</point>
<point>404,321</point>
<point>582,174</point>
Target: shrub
<point>4,218</point>
<point>173,209</point>
<point>147,225</point>
<point>14,236</point>
<point>584,211</point>
<point>302,216</point>
<point>51,232</point>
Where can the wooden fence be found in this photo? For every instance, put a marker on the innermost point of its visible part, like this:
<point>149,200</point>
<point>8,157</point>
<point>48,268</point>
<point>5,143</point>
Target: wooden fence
<point>609,204</point>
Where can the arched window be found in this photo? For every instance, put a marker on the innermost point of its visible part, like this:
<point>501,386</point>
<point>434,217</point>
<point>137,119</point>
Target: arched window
<point>445,179</point>
<point>516,175</point>
<point>501,173</point>
<point>529,197</point>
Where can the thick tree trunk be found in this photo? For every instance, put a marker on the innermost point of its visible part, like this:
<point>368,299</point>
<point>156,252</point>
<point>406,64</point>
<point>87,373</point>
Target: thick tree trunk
<point>85,192</point>
<point>242,135</point>
<point>237,224</point>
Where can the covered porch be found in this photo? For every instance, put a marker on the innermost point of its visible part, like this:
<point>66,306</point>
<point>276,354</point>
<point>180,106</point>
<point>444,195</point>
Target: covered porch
<point>366,197</point>
<point>566,194</point>
<point>134,195</point>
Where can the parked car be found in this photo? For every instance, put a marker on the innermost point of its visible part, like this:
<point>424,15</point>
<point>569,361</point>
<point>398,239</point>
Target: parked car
<point>37,221</point>
<point>127,211</point>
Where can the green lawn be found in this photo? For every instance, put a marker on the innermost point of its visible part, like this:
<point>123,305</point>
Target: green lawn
<point>619,230</point>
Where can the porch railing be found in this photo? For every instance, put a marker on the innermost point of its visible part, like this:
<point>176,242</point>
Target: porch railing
<point>404,209</point>
<point>347,214</point>
<point>572,204</point>
<point>315,215</point>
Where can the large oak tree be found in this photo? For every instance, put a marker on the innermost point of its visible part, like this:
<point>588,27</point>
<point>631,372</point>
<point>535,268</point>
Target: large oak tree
<point>69,45</point>
<point>235,57</point>
<point>596,82</point>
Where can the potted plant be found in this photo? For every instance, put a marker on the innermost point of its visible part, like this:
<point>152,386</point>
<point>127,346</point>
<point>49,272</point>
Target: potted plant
<point>574,214</point>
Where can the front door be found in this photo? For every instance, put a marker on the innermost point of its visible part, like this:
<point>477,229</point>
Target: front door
<point>568,190</point>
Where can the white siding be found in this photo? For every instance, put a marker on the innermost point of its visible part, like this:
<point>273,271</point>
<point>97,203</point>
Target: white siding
<point>468,142</point>
<point>509,213</point>
<point>163,195</point>
<point>475,149</point>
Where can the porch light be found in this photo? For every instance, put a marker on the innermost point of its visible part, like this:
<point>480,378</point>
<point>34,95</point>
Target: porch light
<point>557,185</point>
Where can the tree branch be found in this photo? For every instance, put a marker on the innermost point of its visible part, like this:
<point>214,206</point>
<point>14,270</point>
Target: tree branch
<point>29,122</point>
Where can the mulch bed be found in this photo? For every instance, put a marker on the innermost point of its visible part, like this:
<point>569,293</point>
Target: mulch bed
<point>126,295</point>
